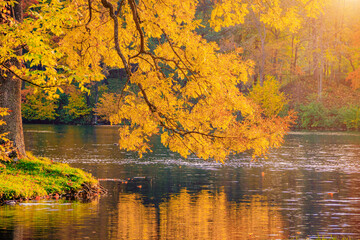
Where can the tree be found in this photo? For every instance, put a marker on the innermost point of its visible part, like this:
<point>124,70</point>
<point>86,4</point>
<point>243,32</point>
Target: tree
<point>10,86</point>
<point>272,16</point>
<point>178,85</point>
<point>35,106</point>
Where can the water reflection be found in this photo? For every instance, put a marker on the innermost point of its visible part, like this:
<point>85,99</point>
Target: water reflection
<point>46,220</point>
<point>203,215</point>
<point>134,219</point>
<point>184,215</point>
<point>309,187</point>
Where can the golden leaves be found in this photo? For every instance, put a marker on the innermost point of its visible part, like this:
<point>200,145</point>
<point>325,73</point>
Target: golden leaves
<point>187,93</point>
<point>5,145</point>
<point>279,14</point>
<point>269,96</point>
<point>228,13</point>
<point>180,86</point>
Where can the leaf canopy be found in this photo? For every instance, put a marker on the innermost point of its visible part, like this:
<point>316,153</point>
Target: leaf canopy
<point>178,86</point>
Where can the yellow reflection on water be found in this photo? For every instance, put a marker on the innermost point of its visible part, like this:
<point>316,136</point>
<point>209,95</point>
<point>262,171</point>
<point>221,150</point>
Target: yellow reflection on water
<point>203,215</point>
<point>49,219</point>
<point>135,220</point>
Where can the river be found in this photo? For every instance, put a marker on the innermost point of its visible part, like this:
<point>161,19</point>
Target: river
<point>307,188</point>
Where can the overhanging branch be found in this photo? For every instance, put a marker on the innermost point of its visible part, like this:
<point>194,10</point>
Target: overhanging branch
<point>26,80</point>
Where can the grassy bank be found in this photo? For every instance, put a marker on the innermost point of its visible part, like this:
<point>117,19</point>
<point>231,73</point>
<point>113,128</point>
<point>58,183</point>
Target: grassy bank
<point>34,178</point>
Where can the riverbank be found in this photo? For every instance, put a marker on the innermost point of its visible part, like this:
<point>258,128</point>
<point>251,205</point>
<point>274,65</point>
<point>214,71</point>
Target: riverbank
<point>37,177</point>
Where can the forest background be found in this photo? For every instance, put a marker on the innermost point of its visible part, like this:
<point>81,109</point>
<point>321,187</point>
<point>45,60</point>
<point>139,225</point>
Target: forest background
<point>317,67</point>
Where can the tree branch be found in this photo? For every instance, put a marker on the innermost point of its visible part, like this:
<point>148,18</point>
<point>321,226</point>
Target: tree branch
<point>110,7</point>
<point>26,80</point>
<point>90,16</point>
<point>138,27</point>
<point>176,129</point>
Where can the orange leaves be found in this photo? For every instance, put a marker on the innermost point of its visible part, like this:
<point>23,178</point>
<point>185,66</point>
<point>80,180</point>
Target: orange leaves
<point>6,146</point>
<point>185,91</point>
<point>354,78</point>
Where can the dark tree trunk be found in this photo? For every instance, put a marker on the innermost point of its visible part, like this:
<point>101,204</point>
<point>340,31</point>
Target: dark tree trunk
<point>95,120</point>
<point>262,33</point>
<point>10,96</point>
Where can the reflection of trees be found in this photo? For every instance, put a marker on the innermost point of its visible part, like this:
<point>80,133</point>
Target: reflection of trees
<point>78,143</point>
<point>48,220</point>
<point>203,215</point>
<point>135,221</point>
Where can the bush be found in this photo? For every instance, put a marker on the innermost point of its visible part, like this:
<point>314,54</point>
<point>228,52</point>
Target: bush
<point>70,107</point>
<point>77,110</point>
<point>312,115</point>
<point>315,115</point>
<point>350,116</point>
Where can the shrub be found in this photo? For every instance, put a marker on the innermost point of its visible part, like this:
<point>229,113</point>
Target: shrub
<point>350,116</point>
<point>312,115</point>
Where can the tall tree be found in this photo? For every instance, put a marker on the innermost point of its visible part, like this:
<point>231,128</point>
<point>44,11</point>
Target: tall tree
<point>10,86</point>
<point>178,85</point>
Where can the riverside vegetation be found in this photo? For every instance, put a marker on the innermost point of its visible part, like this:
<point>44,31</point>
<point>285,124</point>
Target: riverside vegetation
<point>338,110</point>
<point>36,178</point>
<point>33,177</point>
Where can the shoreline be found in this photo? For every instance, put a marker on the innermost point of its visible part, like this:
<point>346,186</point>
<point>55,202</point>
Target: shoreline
<point>35,178</point>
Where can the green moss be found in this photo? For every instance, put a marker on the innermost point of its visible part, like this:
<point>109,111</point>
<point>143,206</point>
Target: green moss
<point>32,177</point>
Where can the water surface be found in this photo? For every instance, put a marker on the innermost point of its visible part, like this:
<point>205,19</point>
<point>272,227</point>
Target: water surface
<point>308,187</point>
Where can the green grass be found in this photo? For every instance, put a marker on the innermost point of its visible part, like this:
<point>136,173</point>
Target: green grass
<point>38,177</point>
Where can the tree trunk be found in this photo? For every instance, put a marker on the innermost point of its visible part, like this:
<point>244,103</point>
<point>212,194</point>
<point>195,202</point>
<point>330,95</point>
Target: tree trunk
<point>96,101</point>
<point>262,32</point>
<point>321,77</point>
<point>10,95</point>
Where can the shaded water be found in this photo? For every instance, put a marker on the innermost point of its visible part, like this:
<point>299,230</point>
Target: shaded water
<point>308,187</point>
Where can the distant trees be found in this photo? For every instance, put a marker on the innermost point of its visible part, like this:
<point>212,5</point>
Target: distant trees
<point>317,39</point>
<point>272,20</point>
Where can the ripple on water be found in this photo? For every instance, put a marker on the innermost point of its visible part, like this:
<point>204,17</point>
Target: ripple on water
<point>312,181</point>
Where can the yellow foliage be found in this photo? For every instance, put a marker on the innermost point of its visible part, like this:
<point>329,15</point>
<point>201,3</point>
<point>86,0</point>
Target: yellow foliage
<point>107,106</point>
<point>278,14</point>
<point>5,143</point>
<point>268,96</point>
<point>36,107</point>
<point>182,87</point>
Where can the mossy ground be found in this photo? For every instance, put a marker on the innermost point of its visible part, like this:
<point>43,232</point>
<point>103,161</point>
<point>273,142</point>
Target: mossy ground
<point>35,177</point>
